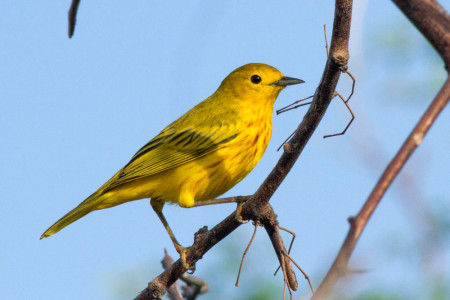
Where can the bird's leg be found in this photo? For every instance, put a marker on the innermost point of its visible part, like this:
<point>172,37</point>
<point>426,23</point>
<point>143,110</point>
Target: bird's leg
<point>216,201</point>
<point>157,206</point>
<point>239,200</point>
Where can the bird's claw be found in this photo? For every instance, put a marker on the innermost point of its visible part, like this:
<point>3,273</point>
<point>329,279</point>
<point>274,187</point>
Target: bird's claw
<point>182,251</point>
<point>239,218</point>
<point>238,213</point>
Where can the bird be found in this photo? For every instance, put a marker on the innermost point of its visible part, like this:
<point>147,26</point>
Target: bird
<point>201,155</point>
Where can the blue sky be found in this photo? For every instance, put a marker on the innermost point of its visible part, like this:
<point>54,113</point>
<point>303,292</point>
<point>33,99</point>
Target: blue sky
<point>74,111</point>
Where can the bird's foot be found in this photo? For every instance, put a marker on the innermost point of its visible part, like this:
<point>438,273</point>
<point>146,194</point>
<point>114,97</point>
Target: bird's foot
<point>238,213</point>
<point>182,251</point>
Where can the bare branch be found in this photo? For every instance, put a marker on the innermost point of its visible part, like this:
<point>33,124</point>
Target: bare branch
<point>431,19</point>
<point>272,230</point>
<point>173,292</point>
<point>290,245</point>
<point>351,112</point>
<point>326,39</point>
<point>195,286</point>
<point>301,270</point>
<point>73,16</point>
<point>245,253</point>
<point>290,106</point>
<point>358,223</point>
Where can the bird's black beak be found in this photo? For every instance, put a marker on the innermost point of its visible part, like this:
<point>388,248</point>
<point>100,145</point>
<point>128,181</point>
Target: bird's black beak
<point>287,81</point>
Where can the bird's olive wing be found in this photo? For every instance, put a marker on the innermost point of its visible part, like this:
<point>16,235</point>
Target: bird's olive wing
<point>169,149</point>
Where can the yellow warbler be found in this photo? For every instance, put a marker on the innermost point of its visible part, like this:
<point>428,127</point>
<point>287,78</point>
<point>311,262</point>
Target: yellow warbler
<point>202,154</point>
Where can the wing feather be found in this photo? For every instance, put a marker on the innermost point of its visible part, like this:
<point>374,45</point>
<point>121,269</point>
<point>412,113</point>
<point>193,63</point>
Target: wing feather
<point>169,149</point>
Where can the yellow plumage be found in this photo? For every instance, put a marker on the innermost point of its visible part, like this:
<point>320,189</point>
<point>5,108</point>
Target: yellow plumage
<point>202,154</point>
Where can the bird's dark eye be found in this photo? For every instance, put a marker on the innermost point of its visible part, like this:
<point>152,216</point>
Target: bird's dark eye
<point>255,79</point>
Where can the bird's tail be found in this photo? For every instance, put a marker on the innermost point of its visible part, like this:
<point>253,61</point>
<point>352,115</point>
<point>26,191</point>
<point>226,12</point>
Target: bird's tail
<point>85,207</point>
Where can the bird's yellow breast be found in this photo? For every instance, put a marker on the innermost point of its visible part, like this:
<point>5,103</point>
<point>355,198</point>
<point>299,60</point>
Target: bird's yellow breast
<point>217,172</point>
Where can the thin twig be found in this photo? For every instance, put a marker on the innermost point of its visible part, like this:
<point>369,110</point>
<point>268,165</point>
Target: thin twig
<point>293,237</point>
<point>286,281</point>
<point>245,253</point>
<point>290,245</point>
<point>344,70</point>
<point>326,39</point>
<point>285,141</point>
<point>288,107</point>
<point>272,230</point>
<point>353,84</point>
<point>73,16</point>
<point>349,123</point>
<point>301,270</point>
<point>292,260</point>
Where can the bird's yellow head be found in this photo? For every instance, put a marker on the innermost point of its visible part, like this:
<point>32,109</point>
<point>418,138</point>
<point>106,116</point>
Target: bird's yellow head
<point>256,81</point>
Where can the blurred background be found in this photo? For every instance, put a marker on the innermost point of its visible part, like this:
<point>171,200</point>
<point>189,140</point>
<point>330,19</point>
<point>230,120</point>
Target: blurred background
<point>73,111</point>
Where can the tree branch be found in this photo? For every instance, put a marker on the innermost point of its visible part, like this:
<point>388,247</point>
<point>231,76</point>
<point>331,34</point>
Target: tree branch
<point>173,292</point>
<point>257,208</point>
<point>357,224</point>
<point>72,14</point>
<point>429,17</point>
